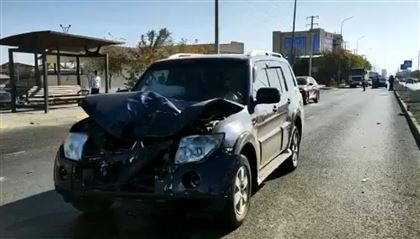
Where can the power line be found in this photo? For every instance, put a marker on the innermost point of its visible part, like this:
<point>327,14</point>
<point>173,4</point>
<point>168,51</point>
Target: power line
<point>312,40</point>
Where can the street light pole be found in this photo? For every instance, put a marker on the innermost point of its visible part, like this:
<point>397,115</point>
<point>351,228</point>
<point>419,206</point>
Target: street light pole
<point>216,26</point>
<point>342,23</point>
<point>339,80</point>
<point>418,62</point>
<point>357,43</point>
<point>292,52</point>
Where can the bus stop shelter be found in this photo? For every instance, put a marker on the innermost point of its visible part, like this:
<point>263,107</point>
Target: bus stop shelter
<point>43,43</point>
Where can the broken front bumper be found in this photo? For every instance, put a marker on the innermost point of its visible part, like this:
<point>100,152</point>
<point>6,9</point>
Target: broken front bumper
<point>210,179</point>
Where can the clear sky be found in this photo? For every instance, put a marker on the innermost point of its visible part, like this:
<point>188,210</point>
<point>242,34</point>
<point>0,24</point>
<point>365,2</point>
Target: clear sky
<point>391,27</point>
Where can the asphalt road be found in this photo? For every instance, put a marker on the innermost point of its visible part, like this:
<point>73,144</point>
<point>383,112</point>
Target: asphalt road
<point>358,177</point>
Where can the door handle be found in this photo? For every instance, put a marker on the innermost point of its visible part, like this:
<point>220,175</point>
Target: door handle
<point>275,109</point>
<point>254,121</point>
<point>288,101</point>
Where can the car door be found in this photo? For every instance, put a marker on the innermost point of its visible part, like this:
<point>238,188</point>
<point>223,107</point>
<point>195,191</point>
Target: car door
<point>265,118</point>
<point>292,93</point>
<point>275,80</point>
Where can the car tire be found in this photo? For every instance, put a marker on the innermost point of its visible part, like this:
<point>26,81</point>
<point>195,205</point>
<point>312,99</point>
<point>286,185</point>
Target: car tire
<point>292,162</point>
<point>92,206</point>
<point>305,99</point>
<point>238,201</point>
<point>316,99</point>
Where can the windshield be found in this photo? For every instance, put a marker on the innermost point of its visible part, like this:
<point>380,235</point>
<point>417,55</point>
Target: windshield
<point>301,80</point>
<point>197,80</point>
<point>358,71</point>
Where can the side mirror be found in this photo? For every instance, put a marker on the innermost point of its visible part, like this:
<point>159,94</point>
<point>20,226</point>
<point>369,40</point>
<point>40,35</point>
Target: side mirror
<point>268,95</point>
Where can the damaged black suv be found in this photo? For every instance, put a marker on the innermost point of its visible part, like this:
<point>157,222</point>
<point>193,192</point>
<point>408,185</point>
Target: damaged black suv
<point>208,127</point>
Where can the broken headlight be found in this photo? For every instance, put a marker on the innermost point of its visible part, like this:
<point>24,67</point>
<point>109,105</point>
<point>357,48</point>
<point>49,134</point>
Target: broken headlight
<point>73,145</point>
<point>196,147</point>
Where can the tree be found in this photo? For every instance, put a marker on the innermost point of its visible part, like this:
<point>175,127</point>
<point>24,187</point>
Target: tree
<point>328,66</point>
<point>415,74</point>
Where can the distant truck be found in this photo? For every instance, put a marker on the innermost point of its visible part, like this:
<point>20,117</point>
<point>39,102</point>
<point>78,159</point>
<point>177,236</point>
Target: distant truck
<point>357,76</point>
<point>377,80</point>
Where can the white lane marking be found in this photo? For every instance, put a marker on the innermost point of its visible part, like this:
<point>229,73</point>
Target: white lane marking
<point>17,152</point>
<point>2,179</point>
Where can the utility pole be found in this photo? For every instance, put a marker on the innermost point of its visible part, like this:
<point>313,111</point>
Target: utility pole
<point>216,26</point>
<point>357,44</point>
<point>312,42</point>
<point>292,51</point>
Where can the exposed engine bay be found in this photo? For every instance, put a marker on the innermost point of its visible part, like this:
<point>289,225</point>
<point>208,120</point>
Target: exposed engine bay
<point>133,139</point>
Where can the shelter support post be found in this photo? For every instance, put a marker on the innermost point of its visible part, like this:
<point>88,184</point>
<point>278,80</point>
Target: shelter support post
<point>78,70</point>
<point>106,73</point>
<point>45,76</point>
<point>12,81</point>
<point>37,78</point>
<point>58,68</point>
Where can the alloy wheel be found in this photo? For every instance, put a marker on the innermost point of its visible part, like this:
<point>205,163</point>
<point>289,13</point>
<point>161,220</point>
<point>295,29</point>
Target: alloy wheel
<point>241,192</point>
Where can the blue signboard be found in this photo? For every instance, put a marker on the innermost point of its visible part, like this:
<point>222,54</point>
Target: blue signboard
<point>300,45</point>
<point>408,63</point>
<point>316,44</point>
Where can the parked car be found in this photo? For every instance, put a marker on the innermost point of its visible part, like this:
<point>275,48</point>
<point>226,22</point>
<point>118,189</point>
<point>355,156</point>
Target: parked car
<point>5,98</point>
<point>209,127</point>
<point>411,81</point>
<point>309,89</point>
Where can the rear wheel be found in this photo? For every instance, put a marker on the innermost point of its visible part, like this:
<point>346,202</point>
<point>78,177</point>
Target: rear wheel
<point>292,162</point>
<point>92,205</point>
<point>238,202</point>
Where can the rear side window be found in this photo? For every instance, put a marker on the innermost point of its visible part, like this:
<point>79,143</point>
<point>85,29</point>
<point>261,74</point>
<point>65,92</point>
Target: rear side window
<point>288,75</point>
<point>273,78</point>
<point>280,73</point>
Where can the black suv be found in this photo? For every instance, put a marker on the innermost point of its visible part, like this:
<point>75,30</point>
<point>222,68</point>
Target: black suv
<point>208,127</point>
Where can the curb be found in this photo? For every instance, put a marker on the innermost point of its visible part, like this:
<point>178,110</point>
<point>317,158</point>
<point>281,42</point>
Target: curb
<point>412,122</point>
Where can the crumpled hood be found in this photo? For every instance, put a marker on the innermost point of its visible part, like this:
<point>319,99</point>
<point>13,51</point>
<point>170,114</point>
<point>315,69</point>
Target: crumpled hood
<point>137,115</point>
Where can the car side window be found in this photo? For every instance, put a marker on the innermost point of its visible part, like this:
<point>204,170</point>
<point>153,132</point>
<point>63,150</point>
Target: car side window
<point>283,79</point>
<point>260,81</point>
<point>288,75</point>
<point>273,79</point>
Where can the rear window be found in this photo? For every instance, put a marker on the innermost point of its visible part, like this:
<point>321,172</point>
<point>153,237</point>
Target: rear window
<point>301,80</point>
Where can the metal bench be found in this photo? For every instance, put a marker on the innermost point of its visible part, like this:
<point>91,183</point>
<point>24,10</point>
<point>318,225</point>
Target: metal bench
<point>56,94</point>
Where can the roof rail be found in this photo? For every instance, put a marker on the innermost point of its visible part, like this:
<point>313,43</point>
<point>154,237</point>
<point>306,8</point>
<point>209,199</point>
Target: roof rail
<point>263,53</point>
<point>179,55</point>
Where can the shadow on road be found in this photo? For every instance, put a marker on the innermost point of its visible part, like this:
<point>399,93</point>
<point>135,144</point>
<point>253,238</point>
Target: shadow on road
<point>46,216</point>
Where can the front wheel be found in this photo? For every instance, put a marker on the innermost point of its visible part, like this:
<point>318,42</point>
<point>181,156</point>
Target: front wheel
<point>292,161</point>
<point>238,202</point>
<point>316,100</point>
<point>305,98</point>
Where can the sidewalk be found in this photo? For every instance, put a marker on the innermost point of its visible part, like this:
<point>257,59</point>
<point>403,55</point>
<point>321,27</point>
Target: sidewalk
<point>57,115</point>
